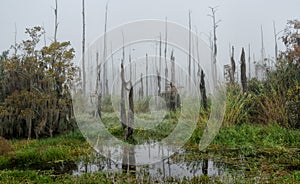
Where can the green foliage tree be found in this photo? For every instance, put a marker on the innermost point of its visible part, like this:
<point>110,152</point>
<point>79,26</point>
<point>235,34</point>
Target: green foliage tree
<point>36,89</point>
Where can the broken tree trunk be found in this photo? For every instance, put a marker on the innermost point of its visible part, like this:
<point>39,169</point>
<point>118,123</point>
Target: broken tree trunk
<point>203,91</point>
<point>141,91</point>
<point>123,109</point>
<point>130,114</point>
<point>172,67</point>
<point>98,86</point>
<point>232,73</point>
<point>243,71</point>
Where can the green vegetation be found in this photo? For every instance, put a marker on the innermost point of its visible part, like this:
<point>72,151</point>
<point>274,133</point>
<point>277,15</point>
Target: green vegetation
<point>271,152</point>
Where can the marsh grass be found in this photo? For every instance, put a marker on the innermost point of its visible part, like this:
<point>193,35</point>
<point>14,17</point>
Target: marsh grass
<point>257,153</point>
<point>44,153</point>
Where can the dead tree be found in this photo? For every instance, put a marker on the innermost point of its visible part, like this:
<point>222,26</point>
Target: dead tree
<point>158,83</point>
<point>141,90</point>
<point>147,87</point>
<point>123,87</point>
<point>275,38</point>
<point>172,67</point>
<point>190,47</point>
<point>166,64</point>
<point>105,79</point>
<point>159,72</point>
<point>215,26</point>
<point>98,86</point>
<point>243,71</point>
<point>232,71</point>
<point>127,124</point>
<point>83,50</point>
<point>15,44</point>
<point>203,91</point>
<point>249,61</point>
<point>130,113</point>
<point>123,108</point>
<point>55,23</point>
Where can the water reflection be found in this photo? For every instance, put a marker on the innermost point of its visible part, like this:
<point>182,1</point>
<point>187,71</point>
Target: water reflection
<point>176,167</point>
<point>128,161</point>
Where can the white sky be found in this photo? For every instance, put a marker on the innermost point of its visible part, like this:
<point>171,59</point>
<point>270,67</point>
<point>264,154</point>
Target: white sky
<point>240,25</point>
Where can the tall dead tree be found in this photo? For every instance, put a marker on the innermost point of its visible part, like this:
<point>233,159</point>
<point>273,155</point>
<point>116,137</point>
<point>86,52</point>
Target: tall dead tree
<point>243,71</point>
<point>15,45</point>
<point>105,79</point>
<point>55,23</point>
<point>123,87</point>
<point>98,86</point>
<point>190,48</point>
<point>123,108</point>
<point>166,64</point>
<point>233,67</point>
<point>215,26</point>
<point>127,124</point>
<point>158,83</point>
<point>249,61</point>
<point>172,67</point>
<point>159,60</point>
<point>83,50</point>
<point>147,87</point>
<point>198,58</point>
<point>275,38</point>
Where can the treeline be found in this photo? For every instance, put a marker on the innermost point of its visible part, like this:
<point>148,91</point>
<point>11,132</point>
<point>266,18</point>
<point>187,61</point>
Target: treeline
<point>274,99</point>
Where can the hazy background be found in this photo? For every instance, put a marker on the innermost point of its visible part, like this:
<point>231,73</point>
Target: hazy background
<point>240,20</point>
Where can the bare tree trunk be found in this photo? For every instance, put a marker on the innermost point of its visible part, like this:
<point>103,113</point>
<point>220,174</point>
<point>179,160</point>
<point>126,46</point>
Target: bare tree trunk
<point>215,26</point>
<point>233,67</point>
<point>243,71</point>
<point>276,46</point>
<point>112,65</point>
<point>130,68</point>
<point>262,45</point>
<point>203,91</point>
<point>159,73</point>
<point>190,48</point>
<point>105,86</point>
<point>83,50</point>
<point>173,68</point>
<point>123,88</point>
<point>56,23</point>
<point>15,46</point>
<point>123,109</point>
<point>166,64</point>
<point>158,83</point>
<point>147,87</point>
<point>141,92</point>
<point>130,114</point>
<point>249,61</point>
<point>98,86</point>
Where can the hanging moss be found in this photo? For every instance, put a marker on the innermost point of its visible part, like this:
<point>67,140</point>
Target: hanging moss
<point>35,88</point>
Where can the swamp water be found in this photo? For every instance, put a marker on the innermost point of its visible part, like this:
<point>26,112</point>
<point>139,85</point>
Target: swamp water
<point>180,166</point>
